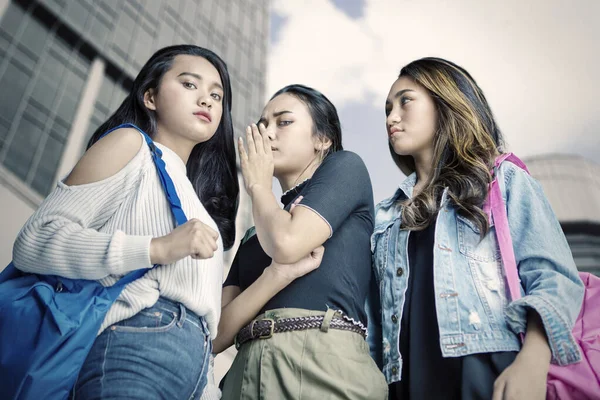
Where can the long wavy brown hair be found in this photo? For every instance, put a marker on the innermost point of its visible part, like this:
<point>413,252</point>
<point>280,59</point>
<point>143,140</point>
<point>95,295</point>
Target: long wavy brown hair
<point>466,142</point>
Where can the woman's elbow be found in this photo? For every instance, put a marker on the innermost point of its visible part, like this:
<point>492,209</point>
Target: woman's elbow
<point>285,250</point>
<point>217,346</point>
<point>288,256</point>
<point>220,344</point>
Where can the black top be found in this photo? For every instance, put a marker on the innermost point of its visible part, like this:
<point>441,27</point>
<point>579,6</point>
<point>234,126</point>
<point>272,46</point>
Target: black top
<point>340,192</point>
<point>426,374</point>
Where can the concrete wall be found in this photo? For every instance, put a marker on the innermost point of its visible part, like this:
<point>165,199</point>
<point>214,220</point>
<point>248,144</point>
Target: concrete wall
<point>13,214</point>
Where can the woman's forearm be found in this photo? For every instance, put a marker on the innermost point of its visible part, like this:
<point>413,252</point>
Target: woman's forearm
<point>536,342</point>
<point>271,222</point>
<point>245,307</point>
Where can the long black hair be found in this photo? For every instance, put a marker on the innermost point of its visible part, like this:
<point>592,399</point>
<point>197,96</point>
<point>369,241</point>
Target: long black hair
<point>211,166</point>
<point>326,123</point>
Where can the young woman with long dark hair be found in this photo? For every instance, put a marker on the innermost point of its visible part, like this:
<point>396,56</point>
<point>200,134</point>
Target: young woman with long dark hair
<point>295,295</point>
<point>110,216</point>
<point>449,329</point>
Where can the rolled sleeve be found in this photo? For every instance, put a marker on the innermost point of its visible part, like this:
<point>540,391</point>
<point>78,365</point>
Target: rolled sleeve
<point>340,186</point>
<point>562,343</point>
<point>550,283</point>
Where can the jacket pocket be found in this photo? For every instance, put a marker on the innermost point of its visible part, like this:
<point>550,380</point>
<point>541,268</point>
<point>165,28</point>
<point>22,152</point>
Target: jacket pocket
<point>470,243</point>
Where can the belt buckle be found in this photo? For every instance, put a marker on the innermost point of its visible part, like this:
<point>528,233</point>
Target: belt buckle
<point>271,330</point>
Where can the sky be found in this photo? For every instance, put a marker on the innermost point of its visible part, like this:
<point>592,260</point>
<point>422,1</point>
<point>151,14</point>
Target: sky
<point>537,62</point>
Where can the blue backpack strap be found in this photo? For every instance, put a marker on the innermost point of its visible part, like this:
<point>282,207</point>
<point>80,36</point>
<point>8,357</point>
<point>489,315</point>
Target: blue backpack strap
<point>165,179</point>
<point>115,290</point>
<point>172,197</point>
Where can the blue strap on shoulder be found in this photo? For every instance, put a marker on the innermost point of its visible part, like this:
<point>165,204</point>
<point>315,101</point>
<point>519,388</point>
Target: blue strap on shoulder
<point>172,197</point>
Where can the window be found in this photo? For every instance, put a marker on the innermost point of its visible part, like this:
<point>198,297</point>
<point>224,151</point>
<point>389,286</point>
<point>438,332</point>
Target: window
<point>99,30</point>
<point>189,12</point>
<point>56,5</point>
<point>42,84</point>
<point>70,98</point>
<point>4,127</point>
<point>12,20</point>
<point>142,47</point>
<point>167,31</point>
<point>77,14</point>
<point>109,99</point>
<point>123,35</point>
<point>97,119</point>
<point>34,37</point>
<point>23,147</point>
<point>153,8</point>
<point>43,179</point>
<point>13,83</point>
<point>36,111</point>
<point>46,87</point>
<point>118,96</point>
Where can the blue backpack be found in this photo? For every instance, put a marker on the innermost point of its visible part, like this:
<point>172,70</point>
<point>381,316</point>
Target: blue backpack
<point>48,324</point>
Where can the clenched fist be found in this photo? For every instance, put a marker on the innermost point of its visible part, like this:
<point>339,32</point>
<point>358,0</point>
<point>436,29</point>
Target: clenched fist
<point>194,238</point>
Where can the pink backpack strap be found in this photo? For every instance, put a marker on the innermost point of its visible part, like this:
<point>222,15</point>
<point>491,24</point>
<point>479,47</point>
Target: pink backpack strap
<point>495,207</point>
<point>512,158</point>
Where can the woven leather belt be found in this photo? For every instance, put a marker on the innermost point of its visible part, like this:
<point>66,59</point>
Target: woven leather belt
<point>265,328</point>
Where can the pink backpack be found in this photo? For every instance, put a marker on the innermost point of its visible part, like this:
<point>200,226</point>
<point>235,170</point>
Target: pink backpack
<point>575,381</point>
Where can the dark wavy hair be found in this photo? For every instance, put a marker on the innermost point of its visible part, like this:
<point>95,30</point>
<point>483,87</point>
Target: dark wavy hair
<point>211,166</point>
<point>466,143</point>
<point>326,123</point>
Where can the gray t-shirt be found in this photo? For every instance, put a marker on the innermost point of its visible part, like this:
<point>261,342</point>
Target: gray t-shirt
<point>340,192</point>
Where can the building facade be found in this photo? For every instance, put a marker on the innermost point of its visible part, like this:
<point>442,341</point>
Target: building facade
<point>572,185</point>
<point>66,65</point>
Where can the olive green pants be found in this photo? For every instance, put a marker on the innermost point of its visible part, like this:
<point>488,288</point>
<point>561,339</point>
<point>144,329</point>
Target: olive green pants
<point>314,364</point>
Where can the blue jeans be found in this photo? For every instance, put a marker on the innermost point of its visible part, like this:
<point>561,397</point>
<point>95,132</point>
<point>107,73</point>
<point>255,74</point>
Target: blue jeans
<point>160,353</point>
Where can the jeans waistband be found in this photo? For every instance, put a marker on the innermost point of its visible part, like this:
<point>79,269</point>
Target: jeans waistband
<point>182,312</point>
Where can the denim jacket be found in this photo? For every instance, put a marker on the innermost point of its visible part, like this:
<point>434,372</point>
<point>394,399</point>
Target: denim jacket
<point>473,310</point>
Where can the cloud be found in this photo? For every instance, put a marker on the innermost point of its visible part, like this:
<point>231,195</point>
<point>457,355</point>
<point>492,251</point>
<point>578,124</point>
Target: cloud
<point>352,8</point>
<point>276,23</point>
<point>313,49</point>
<point>535,60</point>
